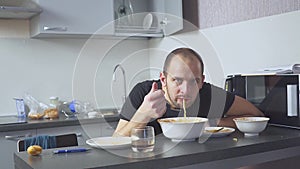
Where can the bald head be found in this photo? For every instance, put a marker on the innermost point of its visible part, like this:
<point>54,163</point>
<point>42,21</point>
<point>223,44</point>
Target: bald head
<point>185,54</point>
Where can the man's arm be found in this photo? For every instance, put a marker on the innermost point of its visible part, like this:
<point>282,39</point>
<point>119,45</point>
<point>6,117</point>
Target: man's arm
<point>239,108</point>
<point>153,106</point>
<point>124,128</point>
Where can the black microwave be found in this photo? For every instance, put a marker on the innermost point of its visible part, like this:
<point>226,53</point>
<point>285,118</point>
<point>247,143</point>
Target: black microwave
<point>276,95</point>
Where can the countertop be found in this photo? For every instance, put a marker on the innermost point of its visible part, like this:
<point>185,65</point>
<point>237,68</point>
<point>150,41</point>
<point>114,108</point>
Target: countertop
<point>60,122</point>
<point>232,151</point>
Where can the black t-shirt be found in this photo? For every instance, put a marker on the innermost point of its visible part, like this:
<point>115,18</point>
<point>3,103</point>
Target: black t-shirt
<point>212,102</point>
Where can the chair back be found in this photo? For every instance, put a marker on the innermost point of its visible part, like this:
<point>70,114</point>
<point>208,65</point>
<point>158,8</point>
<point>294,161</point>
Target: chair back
<point>65,140</point>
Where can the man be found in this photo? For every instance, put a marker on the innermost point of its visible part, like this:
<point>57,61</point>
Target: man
<point>182,80</point>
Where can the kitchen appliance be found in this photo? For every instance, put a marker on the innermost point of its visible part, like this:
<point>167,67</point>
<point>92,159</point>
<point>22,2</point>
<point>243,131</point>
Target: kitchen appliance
<point>277,95</point>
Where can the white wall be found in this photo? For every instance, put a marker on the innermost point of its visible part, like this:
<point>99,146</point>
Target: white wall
<point>240,47</point>
<point>53,67</point>
<point>83,68</point>
<point>255,44</point>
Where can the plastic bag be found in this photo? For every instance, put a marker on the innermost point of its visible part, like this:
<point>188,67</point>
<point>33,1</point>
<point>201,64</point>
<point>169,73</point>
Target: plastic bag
<point>34,107</point>
<point>40,110</point>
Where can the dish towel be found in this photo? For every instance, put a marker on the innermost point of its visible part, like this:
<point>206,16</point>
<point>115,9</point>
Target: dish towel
<point>45,141</point>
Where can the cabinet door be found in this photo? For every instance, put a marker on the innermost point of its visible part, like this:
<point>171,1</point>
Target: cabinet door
<point>174,17</point>
<point>81,136</point>
<point>99,129</point>
<point>107,129</point>
<point>83,131</point>
<point>73,17</point>
<point>92,130</point>
<point>8,146</point>
<point>169,14</point>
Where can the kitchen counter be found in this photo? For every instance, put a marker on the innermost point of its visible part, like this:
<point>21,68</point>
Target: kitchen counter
<point>233,151</point>
<point>11,130</point>
<point>59,122</point>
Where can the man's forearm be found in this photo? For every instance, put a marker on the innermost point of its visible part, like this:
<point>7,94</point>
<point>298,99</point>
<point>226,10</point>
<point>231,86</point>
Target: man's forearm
<point>138,120</point>
<point>227,122</point>
<point>126,130</point>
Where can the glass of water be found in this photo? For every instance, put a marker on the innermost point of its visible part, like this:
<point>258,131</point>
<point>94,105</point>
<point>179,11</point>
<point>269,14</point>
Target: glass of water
<point>142,139</point>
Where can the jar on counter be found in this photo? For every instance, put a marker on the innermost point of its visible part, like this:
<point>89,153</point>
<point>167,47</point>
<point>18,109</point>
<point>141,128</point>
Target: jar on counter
<point>54,101</point>
<point>77,106</point>
<point>64,108</point>
<point>52,111</point>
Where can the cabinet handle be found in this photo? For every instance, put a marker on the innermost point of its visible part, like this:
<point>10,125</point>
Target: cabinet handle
<point>61,29</point>
<point>17,136</point>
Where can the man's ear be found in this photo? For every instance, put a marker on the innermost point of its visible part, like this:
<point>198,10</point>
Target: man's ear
<point>163,79</point>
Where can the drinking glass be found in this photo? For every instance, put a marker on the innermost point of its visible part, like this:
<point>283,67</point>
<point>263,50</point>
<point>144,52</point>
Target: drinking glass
<point>142,139</point>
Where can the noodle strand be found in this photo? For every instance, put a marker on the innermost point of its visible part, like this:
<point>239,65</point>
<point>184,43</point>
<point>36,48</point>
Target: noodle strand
<point>184,108</point>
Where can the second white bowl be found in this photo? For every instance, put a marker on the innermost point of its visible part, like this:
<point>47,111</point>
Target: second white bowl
<point>251,126</point>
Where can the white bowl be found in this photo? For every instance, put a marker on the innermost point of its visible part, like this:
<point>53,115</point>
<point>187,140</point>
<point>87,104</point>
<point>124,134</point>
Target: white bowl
<point>251,126</point>
<point>182,129</point>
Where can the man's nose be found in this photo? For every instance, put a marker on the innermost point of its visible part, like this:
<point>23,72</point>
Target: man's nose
<point>184,87</point>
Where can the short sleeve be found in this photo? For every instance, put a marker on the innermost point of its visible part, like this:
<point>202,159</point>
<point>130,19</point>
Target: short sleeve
<point>214,101</point>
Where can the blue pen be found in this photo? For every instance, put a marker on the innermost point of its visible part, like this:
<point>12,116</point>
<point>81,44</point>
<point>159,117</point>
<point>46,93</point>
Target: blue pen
<point>70,150</point>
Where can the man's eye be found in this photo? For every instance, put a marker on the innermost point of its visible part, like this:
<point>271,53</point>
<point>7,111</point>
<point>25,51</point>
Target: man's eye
<point>197,80</point>
<point>178,81</point>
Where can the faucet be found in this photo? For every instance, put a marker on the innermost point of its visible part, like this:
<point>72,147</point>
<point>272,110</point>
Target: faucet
<point>124,79</point>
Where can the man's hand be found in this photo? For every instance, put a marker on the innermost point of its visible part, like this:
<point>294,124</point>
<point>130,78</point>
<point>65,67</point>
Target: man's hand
<point>153,106</point>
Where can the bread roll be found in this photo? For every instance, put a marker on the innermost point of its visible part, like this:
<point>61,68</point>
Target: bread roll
<point>51,113</point>
<point>35,116</point>
<point>34,150</point>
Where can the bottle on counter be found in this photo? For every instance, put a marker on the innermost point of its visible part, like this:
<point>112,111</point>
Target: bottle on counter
<point>20,105</point>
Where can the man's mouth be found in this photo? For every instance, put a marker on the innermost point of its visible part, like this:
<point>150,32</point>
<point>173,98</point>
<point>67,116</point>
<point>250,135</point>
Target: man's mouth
<point>180,101</point>
<point>181,98</point>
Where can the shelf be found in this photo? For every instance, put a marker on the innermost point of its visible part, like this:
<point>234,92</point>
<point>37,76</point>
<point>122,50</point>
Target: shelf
<point>138,31</point>
<point>9,12</point>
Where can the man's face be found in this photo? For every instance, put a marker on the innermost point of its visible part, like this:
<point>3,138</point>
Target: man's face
<point>183,80</point>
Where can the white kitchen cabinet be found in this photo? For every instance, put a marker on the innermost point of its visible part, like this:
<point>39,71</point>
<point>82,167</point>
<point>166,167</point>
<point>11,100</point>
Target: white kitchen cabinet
<point>99,129</point>
<point>8,145</point>
<point>149,18</point>
<point>79,18</point>
<point>72,18</point>
<point>107,129</point>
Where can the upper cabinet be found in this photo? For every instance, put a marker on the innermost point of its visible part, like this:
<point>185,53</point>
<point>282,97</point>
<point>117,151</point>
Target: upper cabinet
<point>18,9</point>
<point>72,18</point>
<point>146,18</point>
